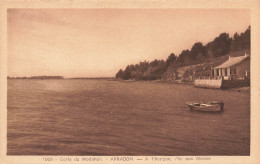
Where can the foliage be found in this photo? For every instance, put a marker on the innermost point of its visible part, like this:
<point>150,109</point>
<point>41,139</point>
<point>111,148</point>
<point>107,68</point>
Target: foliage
<point>199,53</point>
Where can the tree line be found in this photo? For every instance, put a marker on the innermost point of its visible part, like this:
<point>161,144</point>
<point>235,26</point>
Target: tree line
<point>199,53</point>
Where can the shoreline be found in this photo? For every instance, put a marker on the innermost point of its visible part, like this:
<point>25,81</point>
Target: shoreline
<point>240,89</point>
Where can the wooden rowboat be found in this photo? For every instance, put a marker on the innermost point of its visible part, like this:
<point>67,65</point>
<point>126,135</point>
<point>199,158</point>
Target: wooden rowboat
<point>206,107</point>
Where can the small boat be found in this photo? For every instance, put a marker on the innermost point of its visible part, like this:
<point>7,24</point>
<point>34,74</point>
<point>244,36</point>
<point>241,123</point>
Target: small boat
<point>206,107</point>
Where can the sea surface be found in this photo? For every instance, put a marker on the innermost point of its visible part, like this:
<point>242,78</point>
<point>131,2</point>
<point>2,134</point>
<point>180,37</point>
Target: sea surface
<point>99,117</point>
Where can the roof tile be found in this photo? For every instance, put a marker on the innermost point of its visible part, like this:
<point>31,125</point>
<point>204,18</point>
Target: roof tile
<point>232,61</point>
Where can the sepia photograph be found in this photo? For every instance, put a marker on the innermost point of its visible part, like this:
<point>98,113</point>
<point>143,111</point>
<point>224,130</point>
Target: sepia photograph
<point>128,82</point>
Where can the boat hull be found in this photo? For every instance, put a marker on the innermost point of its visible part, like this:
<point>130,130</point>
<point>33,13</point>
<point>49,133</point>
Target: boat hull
<point>207,107</point>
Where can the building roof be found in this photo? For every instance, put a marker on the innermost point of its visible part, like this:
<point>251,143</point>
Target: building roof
<point>232,61</point>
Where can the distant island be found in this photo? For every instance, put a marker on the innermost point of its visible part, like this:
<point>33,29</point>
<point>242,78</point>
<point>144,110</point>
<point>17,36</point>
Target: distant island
<point>37,77</point>
<point>61,77</point>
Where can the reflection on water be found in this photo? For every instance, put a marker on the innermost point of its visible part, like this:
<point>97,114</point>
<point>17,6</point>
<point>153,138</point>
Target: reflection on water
<point>91,117</point>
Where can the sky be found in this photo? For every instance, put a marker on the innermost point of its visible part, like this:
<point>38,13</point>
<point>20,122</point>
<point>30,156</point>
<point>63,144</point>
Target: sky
<point>99,42</point>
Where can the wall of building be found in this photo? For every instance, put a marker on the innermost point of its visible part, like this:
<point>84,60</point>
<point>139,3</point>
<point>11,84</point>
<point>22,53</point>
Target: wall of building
<point>223,72</point>
<point>221,84</point>
<point>228,71</point>
<point>241,68</point>
<point>208,83</point>
<point>234,83</point>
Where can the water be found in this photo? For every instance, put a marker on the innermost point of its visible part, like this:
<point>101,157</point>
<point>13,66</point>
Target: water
<point>98,117</point>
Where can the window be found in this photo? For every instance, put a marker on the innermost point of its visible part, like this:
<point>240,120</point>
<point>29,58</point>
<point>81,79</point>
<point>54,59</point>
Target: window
<point>212,72</point>
<point>235,71</point>
<point>217,72</point>
<point>225,71</point>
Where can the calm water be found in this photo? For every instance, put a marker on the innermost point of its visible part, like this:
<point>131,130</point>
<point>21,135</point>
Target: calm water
<point>91,117</point>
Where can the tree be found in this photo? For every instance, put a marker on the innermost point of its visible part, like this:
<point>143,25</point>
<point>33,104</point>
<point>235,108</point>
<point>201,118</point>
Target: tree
<point>221,45</point>
<point>198,49</point>
<point>184,58</point>
<point>119,74</point>
<point>200,57</point>
<point>154,63</point>
<point>127,73</point>
<point>171,59</point>
<point>246,38</point>
<point>235,45</point>
<point>209,51</point>
<point>143,66</point>
<point>242,41</point>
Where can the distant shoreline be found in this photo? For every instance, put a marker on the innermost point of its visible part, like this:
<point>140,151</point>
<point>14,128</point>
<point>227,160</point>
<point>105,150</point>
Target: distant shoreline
<point>103,79</point>
<point>240,89</point>
<point>93,78</point>
<point>37,77</point>
<point>61,78</point>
